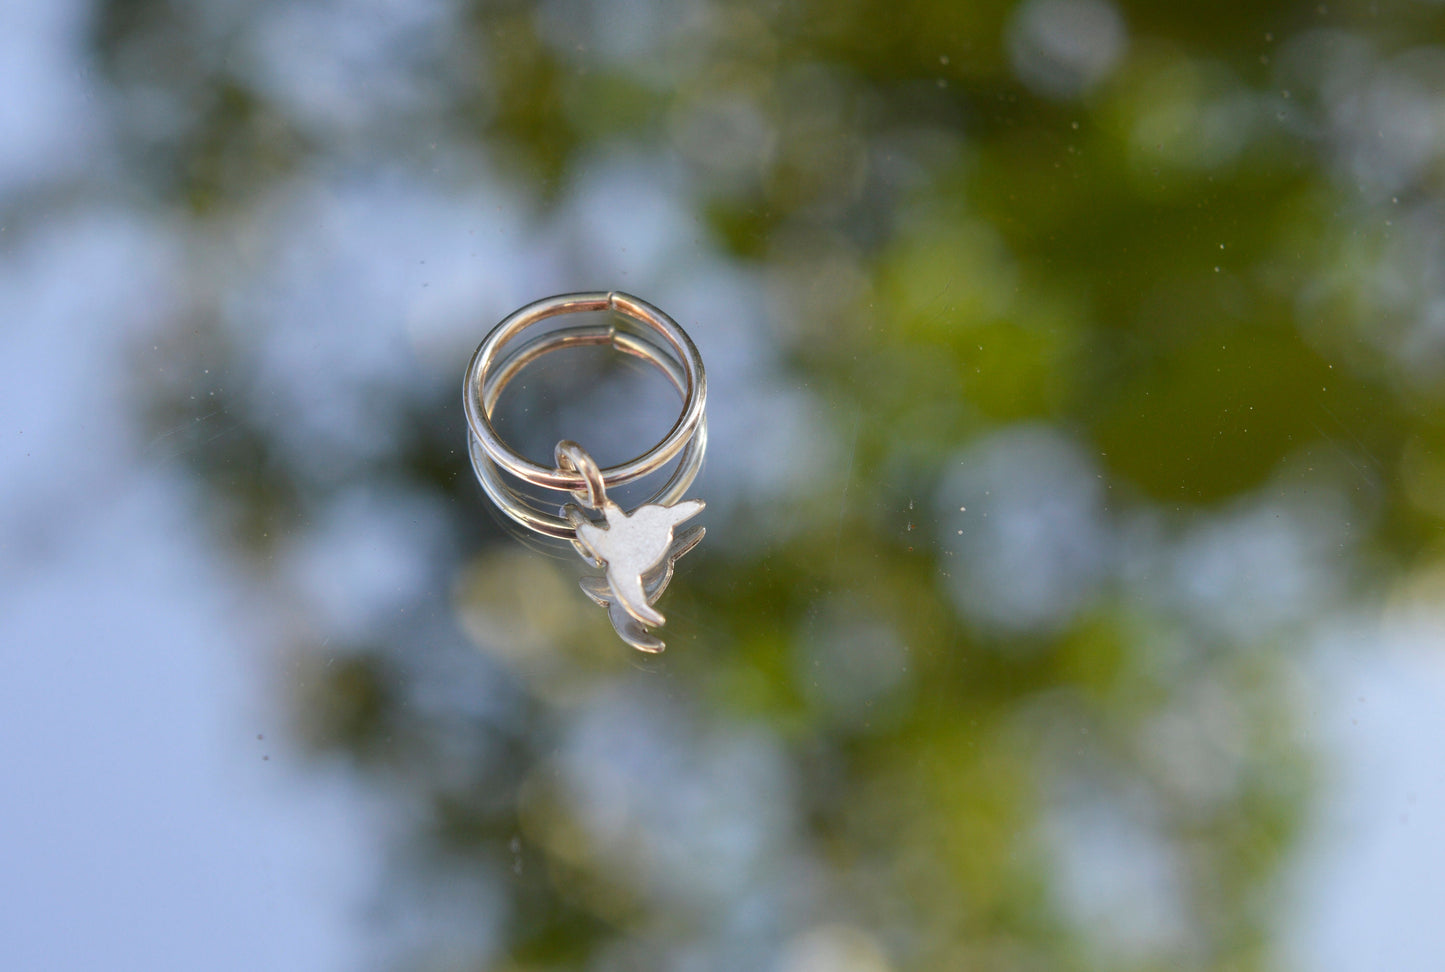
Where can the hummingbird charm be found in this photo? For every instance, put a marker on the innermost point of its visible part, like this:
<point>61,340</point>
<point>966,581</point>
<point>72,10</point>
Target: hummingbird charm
<point>653,584</point>
<point>638,550</point>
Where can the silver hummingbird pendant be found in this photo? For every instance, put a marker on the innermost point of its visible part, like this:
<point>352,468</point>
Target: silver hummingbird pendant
<point>638,550</point>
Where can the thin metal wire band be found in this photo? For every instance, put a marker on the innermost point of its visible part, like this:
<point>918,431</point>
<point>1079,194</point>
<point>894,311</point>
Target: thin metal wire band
<point>482,373</point>
<point>513,504</point>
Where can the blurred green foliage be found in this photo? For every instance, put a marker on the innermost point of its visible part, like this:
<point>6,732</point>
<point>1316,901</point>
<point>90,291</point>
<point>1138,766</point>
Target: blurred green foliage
<point>950,252</point>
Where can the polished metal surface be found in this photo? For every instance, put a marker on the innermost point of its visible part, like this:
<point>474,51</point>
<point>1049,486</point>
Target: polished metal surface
<point>491,383</point>
<point>637,549</point>
<point>483,372</point>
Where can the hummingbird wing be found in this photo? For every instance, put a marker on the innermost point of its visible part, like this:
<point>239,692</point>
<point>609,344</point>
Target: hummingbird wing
<point>682,543</point>
<point>597,589</point>
<point>685,510</point>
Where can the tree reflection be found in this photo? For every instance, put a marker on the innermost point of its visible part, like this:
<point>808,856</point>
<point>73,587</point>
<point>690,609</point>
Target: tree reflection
<point>1102,330</point>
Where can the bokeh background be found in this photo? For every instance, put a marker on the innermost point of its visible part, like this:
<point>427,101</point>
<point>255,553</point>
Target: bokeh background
<point>1072,595</point>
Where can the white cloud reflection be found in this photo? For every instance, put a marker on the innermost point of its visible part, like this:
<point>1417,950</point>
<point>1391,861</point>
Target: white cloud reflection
<point>1062,48</point>
<point>313,58</point>
<point>1022,514</point>
<point>695,814</point>
<point>49,120</point>
<point>1251,572</point>
<point>1368,886</point>
<point>153,814</point>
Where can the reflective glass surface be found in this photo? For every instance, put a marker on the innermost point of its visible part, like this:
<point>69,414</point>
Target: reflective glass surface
<point>1073,593</point>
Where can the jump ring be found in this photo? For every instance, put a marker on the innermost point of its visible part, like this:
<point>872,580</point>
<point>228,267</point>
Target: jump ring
<point>572,456</point>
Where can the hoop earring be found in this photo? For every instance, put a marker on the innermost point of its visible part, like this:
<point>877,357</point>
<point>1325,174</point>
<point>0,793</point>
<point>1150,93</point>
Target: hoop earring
<point>636,550</point>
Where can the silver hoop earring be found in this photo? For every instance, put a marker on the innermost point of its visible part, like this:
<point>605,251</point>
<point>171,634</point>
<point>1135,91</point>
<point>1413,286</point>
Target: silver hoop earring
<point>636,550</point>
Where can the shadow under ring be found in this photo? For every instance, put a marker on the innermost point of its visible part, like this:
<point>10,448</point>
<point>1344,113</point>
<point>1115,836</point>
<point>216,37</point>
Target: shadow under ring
<point>489,473</point>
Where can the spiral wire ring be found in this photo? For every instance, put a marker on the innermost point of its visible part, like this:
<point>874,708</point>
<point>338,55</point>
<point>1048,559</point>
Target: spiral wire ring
<point>495,365</point>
